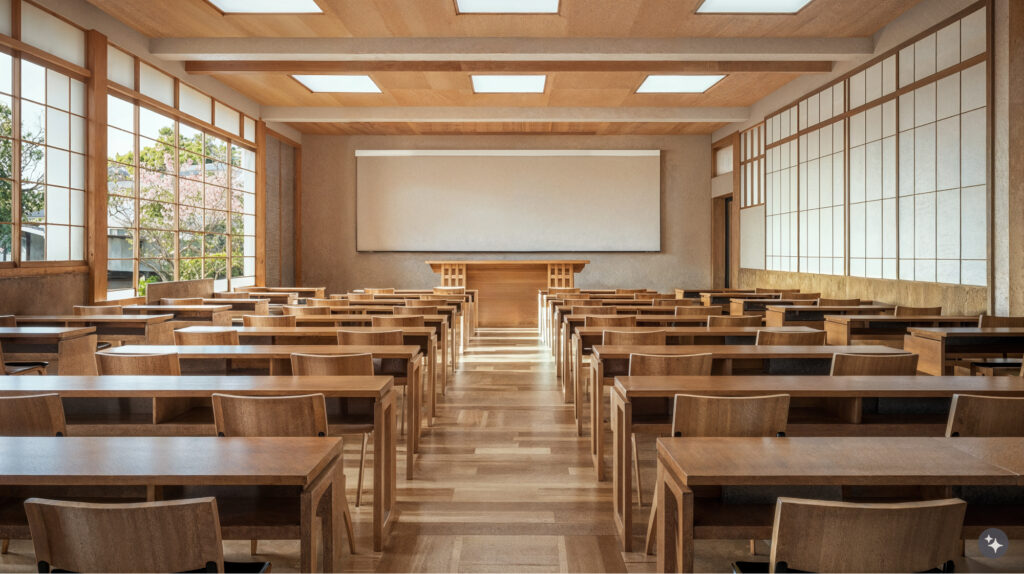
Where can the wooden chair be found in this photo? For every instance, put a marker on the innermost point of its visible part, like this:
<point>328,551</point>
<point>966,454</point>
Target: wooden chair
<point>181,301</point>
<point>633,338</point>
<point>428,303</point>
<point>224,336</point>
<point>380,291</point>
<point>832,536</point>
<point>449,290</point>
<point>975,415</point>
<point>695,311</point>
<point>268,320</point>
<point>232,295</point>
<point>143,364</point>
<point>701,416</point>
<point>397,321</point>
<point>20,368</point>
<point>165,536</point>
<point>629,291</point>
<point>328,302</point>
<point>32,415</point>
<point>838,302</point>
<point>993,321</point>
<point>585,309</point>
<point>803,296</point>
<point>414,310</point>
<point>361,365</point>
<point>294,416</point>
<point>734,321</point>
<point>676,302</point>
<point>661,365</point>
<point>790,338</point>
<point>605,321</point>
<point>904,311</point>
<point>360,296</point>
<point>98,310</point>
<point>644,296</point>
<point>304,310</point>
<point>844,364</point>
<point>8,321</point>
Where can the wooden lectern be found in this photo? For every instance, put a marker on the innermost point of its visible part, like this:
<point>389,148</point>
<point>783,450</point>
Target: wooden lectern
<point>508,289</point>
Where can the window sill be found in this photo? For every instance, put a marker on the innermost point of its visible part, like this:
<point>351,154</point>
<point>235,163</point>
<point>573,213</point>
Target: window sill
<point>34,271</point>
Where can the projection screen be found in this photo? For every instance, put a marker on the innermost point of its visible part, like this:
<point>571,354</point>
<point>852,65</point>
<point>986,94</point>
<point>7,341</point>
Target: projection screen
<point>508,200</point>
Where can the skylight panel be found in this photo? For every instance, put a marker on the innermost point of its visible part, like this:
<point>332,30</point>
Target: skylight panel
<point>267,6</point>
<point>678,84</point>
<point>751,6</point>
<point>506,6</point>
<point>514,84</point>
<point>355,84</point>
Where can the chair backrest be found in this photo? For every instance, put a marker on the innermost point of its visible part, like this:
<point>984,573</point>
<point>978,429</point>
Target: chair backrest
<point>328,302</point>
<point>181,301</point>
<point>32,415</point>
<point>695,311</point>
<point>696,416</point>
<point>974,415</point>
<point>425,302</point>
<point>993,321</point>
<point>734,321</point>
<point>844,364</point>
<point>299,415</point>
<point>790,338</point>
<point>605,321</point>
<point>165,536</point>
<point>142,364</point>
<point>414,310</point>
<point>8,321</point>
<point>379,290</point>
<point>224,336</point>
<point>838,302</point>
<point>370,338</point>
<point>268,320</point>
<point>804,296</point>
<point>669,365</point>
<point>397,321</point>
<point>676,303</point>
<point>300,310</point>
<point>98,310</point>
<point>554,290</point>
<point>629,291</point>
<point>360,296</point>
<point>644,296</point>
<point>304,365</point>
<point>904,311</point>
<point>633,337</point>
<point>232,295</point>
<point>591,309</point>
<point>444,290</point>
<point>832,536</point>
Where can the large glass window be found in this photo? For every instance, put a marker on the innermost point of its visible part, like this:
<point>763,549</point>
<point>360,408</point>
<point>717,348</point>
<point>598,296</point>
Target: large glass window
<point>180,203</point>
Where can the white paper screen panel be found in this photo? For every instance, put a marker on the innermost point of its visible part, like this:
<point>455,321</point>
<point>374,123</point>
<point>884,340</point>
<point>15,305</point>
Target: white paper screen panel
<point>514,200</point>
<point>822,224</point>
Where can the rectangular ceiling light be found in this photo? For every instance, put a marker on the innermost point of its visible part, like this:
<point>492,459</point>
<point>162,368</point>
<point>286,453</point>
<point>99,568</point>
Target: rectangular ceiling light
<point>751,6</point>
<point>267,6</point>
<point>338,84</point>
<point>506,6</point>
<point>516,84</point>
<point>677,84</point>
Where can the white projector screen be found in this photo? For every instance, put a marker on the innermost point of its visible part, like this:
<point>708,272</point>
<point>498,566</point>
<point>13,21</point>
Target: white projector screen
<point>508,200</point>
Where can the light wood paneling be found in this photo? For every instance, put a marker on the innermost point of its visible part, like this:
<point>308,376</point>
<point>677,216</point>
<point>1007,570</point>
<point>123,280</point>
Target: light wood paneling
<point>504,128</point>
<point>437,18</point>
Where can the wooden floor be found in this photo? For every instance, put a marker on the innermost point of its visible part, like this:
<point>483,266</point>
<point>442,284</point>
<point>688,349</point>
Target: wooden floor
<point>505,485</point>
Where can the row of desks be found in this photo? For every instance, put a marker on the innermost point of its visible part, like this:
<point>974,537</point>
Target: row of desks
<point>650,394</point>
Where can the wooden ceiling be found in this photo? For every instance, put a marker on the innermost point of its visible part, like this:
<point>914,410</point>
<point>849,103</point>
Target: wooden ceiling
<point>506,128</point>
<point>437,18</point>
<point>564,89</point>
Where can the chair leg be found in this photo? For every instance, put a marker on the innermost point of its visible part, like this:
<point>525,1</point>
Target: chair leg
<point>348,525</point>
<point>652,524</point>
<point>252,546</point>
<point>362,465</point>
<point>5,545</point>
<point>636,468</point>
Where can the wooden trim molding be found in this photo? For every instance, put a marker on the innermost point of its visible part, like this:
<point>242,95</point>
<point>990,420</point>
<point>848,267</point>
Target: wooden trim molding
<point>261,202</point>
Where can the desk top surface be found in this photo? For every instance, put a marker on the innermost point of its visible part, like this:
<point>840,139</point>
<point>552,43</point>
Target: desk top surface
<point>48,332</point>
<point>697,331</point>
<point>745,351</point>
<point>980,332</point>
<point>267,351</point>
<point>326,331</point>
<point>894,319</point>
<point>147,319</point>
<point>819,385</point>
<point>181,308</point>
<point>195,386</point>
<point>832,308</point>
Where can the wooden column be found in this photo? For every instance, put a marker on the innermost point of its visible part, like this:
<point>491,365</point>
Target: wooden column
<point>261,203</point>
<point>96,203</point>
<point>1015,117</point>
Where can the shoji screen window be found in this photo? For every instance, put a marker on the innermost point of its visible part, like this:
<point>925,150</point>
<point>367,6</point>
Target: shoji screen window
<point>752,166</point>
<point>942,149</point>
<point>781,192</point>
<point>243,216</point>
<point>821,199</point>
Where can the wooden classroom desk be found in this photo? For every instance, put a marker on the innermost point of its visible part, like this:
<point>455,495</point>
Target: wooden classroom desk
<point>936,345</point>
<point>241,307</point>
<point>378,307</point>
<point>750,307</point>
<point>722,357</point>
<point>275,298</point>
<point>137,329</point>
<point>846,329</point>
<point>457,306</point>
<point>181,407</point>
<point>814,316</point>
<point>186,315</point>
<point>315,292</point>
<point>629,391</point>
<point>153,463</point>
<point>68,350</point>
<point>472,296</point>
<point>545,300</point>
<point>932,463</point>
<point>425,337</point>
<point>716,298</point>
<point>584,339</point>
<point>279,358</point>
<point>696,293</point>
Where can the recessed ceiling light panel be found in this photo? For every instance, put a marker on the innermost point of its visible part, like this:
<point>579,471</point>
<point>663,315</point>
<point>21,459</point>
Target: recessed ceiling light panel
<point>515,84</point>
<point>751,6</point>
<point>267,6</point>
<point>338,84</point>
<point>677,84</point>
<point>506,6</point>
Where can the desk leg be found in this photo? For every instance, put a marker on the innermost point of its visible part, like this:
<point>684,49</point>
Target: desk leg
<point>332,508</point>
<point>622,475</point>
<point>675,524</point>
<point>413,404</point>
<point>577,386</point>
<point>432,383</point>
<point>559,354</point>
<point>385,477</point>
<point>444,356</point>
<point>932,354</point>
<point>597,417</point>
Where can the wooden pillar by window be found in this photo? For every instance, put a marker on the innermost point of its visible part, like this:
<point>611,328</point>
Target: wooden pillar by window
<point>96,213</point>
<point>261,203</point>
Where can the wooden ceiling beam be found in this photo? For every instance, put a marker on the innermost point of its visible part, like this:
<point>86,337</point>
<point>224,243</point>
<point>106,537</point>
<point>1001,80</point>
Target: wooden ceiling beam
<point>532,66</point>
<point>457,114</point>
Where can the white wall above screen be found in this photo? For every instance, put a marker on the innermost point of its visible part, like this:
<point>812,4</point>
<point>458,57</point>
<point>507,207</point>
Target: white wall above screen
<point>508,200</point>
